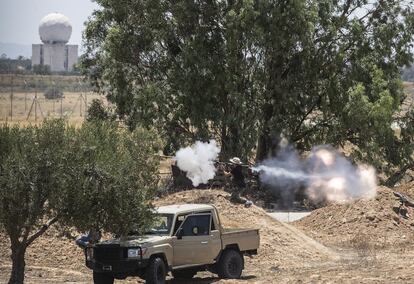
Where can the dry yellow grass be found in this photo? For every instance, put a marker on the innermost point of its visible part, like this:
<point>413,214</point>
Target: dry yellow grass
<point>26,111</point>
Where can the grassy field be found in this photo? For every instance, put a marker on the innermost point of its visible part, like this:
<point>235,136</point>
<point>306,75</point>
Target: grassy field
<point>26,109</point>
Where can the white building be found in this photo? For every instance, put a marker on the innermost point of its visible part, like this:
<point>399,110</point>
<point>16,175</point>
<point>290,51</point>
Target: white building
<point>55,31</point>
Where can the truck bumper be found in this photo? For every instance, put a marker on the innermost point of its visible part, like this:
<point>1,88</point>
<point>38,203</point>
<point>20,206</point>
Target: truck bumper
<point>125,267</point>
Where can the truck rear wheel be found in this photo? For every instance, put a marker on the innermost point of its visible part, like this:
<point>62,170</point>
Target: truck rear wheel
<point>156,271</point>
<point>184,273</point>
<point>102,278</point>
<point>230,265</point>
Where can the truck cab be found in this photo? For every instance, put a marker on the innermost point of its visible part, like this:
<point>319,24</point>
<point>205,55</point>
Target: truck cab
<point>185,239</point>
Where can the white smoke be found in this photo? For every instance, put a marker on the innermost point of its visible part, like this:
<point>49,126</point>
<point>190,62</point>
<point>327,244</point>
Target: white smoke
<point>198,161</point>
<point>325,175</point>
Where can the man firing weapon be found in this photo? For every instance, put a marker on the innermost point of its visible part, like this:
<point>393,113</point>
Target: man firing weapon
<point>238,179</point>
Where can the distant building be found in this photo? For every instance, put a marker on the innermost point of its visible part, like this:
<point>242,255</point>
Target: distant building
<point>55,31</point>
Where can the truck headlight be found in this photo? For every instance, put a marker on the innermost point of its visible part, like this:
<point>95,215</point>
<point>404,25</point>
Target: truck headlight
<point>89,253</point>
<point>133,253</point>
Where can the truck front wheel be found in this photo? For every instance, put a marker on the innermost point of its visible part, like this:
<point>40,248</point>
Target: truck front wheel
<point>230,265</point>
<point>102,278</point>
<point>156,271</point>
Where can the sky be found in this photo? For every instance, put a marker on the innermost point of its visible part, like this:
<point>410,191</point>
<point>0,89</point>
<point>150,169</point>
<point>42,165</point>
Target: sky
<point>19,19</point>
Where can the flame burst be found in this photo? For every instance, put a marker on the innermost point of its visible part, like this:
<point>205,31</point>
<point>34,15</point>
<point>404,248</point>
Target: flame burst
<point>325,174</point>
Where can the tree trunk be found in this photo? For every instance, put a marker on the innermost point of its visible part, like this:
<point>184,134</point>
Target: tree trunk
<point>18,263</point>
<point>231,144</point>
<point>268,145</point>
<point>269,137</point>
<point>398,175</point>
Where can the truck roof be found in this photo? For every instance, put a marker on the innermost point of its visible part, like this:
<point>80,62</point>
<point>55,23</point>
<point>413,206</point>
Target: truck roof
<point>183,208</point>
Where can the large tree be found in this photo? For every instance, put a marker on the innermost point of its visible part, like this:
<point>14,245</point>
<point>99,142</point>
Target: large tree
<point>99,176</point>
<point>251,72</point>
<point>184,66</point>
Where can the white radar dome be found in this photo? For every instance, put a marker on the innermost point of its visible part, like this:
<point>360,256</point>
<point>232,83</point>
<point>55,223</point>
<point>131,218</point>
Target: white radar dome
<point>55,28</point>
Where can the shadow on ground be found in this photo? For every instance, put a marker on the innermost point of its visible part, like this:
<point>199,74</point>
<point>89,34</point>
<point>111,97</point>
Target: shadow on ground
<point>206,280</point>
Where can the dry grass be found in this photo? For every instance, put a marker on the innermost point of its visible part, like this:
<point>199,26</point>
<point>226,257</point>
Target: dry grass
<point>25,111</point>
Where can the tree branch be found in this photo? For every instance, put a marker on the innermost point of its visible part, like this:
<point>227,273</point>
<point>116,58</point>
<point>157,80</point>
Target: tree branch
<point>311,109</point>
<point>398,175</point>
<point>41,230</point>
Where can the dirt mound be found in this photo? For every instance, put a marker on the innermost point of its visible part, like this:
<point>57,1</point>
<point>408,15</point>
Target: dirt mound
<point>374,220</point>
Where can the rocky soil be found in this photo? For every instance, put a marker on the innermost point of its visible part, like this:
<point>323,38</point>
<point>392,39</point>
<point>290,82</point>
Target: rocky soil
<point>375,220</point>
<point>338,243</point>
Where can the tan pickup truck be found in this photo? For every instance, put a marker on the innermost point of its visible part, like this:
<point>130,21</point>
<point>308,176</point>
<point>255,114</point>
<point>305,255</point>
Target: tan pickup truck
<point>185,239</point>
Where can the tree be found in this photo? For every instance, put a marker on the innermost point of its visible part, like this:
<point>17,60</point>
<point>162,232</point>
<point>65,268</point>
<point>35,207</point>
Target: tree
<point>335,79</point>
<point>41,69</point>
<point>98,176</point>
<point>251,72</point>
<point>19,65</point>
<point>97,111</point>
<point>187,70</point>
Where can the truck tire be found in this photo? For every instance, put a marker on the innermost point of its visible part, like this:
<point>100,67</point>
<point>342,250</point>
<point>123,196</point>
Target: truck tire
<point>156,271</point>
<point>184,273</point>
<point>102,278</point>
<point>230,265</point>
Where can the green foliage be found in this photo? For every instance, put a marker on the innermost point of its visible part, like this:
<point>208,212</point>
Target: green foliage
<point>18,65</point>
<point>41,69</point>
<point>250,72</point>
<point>27,179</point>
<point>111,180</point>
<point>97,111</point>
<point>97,176</point>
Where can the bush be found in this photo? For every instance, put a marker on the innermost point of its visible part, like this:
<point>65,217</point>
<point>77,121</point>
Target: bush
<point>53,93</point>
<point>97,111</point>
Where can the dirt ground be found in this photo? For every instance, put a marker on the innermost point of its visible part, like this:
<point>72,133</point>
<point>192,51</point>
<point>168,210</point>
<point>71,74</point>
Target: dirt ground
<point>313,250</point>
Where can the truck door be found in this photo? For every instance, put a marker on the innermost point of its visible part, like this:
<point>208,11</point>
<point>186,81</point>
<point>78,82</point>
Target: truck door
<point>196,243</point>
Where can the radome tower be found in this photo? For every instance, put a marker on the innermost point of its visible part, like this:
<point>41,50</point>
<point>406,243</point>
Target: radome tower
<point>55,31</point>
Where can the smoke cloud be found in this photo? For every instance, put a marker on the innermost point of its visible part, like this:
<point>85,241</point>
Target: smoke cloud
<point>325,175</point>
<point>198,161</point>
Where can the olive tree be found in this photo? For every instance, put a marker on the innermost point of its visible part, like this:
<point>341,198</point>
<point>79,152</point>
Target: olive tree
<point>97,176</point>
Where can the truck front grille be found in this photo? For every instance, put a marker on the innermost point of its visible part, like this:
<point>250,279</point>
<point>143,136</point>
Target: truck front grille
<point>108,253</point>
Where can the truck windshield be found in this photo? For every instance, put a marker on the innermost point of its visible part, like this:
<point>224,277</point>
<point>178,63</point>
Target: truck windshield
<point>162,224</point>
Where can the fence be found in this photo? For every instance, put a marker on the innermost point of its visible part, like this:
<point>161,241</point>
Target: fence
<point>22,98</point>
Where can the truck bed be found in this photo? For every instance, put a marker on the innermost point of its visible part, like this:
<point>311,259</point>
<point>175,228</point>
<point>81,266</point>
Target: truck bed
<point>246,239</point>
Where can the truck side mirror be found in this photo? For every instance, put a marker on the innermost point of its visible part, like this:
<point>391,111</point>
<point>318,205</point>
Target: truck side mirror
<point>179,233</point>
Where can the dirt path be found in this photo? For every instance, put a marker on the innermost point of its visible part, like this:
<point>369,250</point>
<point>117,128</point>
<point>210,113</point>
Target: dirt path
<point>308,241</point>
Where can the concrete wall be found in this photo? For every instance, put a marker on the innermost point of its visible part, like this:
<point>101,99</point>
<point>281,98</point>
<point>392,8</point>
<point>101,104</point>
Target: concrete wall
<point>59,56</point>
<point>72,56</point>
<point>54,55</point>
<point>36,54</point>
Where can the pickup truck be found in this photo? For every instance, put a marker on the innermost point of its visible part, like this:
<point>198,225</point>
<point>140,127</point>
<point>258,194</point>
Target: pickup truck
<point>185,239</point>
